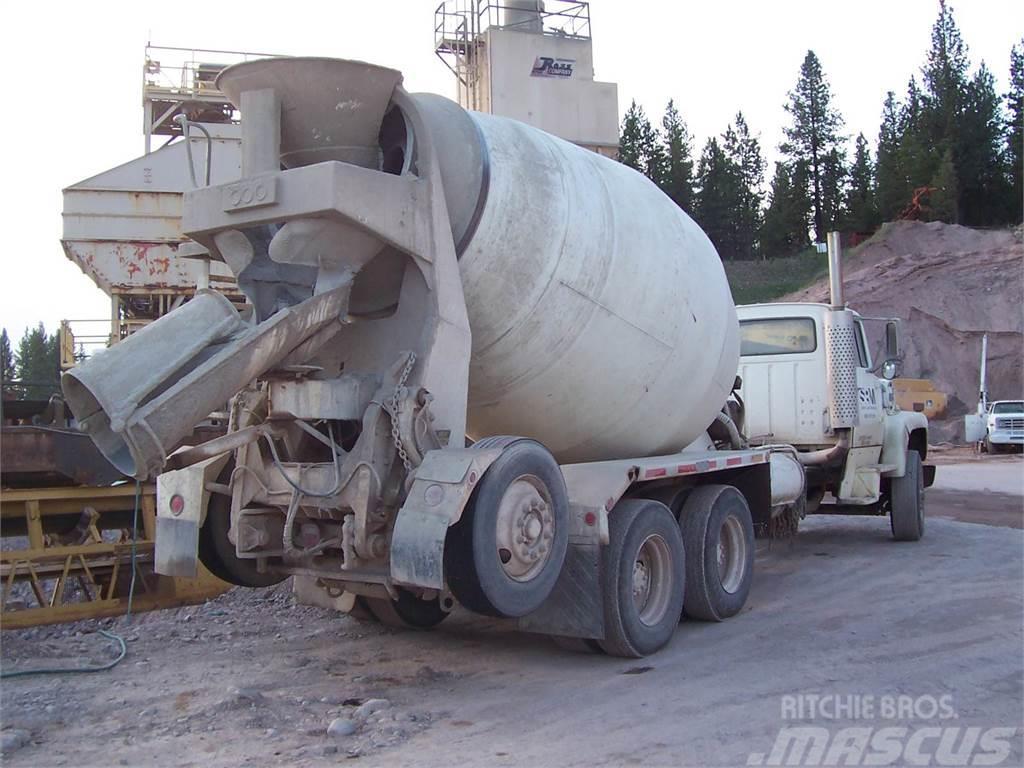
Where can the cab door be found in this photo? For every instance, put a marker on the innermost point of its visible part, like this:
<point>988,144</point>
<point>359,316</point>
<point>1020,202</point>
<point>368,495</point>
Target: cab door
<point>782,367</point>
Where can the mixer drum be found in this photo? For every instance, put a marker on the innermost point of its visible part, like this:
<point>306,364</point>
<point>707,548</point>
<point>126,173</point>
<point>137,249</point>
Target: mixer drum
<point>603,324</point>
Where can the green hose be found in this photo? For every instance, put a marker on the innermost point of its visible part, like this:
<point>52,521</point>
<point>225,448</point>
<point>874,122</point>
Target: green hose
<point>123,647</point>
<point>74,670</point>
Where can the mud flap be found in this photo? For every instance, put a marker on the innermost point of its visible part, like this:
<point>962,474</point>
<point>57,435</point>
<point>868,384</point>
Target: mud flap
<point>929,475</point>
<point>440,491</point>
<point>574,608</point>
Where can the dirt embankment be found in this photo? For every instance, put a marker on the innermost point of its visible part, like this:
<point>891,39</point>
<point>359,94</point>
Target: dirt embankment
<point>950,285</point>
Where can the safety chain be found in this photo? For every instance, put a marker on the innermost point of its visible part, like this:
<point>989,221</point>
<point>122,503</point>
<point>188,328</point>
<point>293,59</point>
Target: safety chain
<point>395,405</point>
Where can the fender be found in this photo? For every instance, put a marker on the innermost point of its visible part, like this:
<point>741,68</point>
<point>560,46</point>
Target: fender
<point>177,532</point>
<point>439,493</point>
<point>898,427</point>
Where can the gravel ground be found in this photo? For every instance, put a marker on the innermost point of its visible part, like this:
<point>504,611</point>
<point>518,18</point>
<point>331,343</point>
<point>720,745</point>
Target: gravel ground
<point>252,679</point>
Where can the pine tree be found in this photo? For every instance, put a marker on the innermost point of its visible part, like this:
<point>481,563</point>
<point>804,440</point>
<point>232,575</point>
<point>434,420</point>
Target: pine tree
<point>892,188</point>
<point>678,181</point>
<point>37,364</point>
<point>943,199</point>
<point>1015,135</point>
<point>945,79</point>
<point>631,137</point>
<point>716,200</point>
<point>833,188</point>
<point>943,102</point>
<point>6,363</point>
<point>962,123</point>
<point>744,154</point>
<point>654,156</point>
<point>640,145</point>
<point>917,153</point>
<point>785,227</point>
<point>983,187</point>
<point>860,211</point>
<point>814,133</point>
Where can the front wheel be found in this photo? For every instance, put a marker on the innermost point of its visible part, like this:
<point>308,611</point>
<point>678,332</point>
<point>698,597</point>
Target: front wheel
<point>718,533</point>
<point>906,501</point>
<point>642,578</point>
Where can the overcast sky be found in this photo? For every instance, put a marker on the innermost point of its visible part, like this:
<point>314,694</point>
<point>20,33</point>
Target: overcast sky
<point>72,71</point>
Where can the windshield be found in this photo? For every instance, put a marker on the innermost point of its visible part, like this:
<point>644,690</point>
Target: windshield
<point>777,336</point>
<point>1010,406</point>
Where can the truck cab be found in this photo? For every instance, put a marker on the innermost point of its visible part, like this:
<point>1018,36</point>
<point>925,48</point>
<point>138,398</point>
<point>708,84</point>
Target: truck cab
<point>1004,426</point>
<point>809,379</point>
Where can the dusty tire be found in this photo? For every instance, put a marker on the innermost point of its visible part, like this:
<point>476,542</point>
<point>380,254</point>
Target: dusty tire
<point>519,509</point>
<point>407,612</point>
<point>906,501</point>
<point>217,552</point>
<point>642,578</point>
<point>718,533</point>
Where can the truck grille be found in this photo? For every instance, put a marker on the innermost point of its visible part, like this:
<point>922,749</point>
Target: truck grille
<point>1015,424</point>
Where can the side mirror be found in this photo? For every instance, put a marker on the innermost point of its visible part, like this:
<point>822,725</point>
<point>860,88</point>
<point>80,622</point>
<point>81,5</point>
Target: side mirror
<point>890,368</point>
<point>892,340</point>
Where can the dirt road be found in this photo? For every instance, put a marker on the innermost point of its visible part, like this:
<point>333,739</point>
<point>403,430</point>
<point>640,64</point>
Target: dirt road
<point>841,611</point>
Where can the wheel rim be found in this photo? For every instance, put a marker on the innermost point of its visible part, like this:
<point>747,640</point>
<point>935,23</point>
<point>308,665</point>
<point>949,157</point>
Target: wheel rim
<point>652,579</point>
<point>732,554</point>
<point>525,528</point>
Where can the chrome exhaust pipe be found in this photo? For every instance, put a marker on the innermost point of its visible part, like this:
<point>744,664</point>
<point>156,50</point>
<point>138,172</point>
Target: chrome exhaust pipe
<point>835,272</point>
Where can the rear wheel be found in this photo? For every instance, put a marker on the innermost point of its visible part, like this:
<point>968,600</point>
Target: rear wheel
<point>718,534</point>
<point>906,501</point>
<point>407,612</point>
<point>642,578</point>
<point>505,554</point>
<point>217,552</point>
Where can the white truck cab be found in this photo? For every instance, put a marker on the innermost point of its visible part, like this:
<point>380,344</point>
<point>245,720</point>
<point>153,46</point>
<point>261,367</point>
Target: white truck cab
<point>1004,425</point>
<point>809,380</point>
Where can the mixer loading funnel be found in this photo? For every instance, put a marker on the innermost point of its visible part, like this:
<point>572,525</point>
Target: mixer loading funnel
<point>331,109</point>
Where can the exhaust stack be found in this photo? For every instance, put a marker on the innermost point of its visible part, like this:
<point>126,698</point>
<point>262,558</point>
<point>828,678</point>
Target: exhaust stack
<point>983,378</point>
<point>835,272</point>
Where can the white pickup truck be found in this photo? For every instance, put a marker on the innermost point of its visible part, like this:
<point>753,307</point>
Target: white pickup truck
<point>1004,426</point>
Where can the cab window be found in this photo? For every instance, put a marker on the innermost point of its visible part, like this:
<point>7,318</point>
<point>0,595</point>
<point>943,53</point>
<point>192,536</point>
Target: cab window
<point>863,361</point>
<point>777,336</point>
<point>1008,407</point>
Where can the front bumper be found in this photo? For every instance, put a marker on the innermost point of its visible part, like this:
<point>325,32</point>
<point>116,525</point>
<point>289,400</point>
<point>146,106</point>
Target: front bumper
<point>1006,437</point>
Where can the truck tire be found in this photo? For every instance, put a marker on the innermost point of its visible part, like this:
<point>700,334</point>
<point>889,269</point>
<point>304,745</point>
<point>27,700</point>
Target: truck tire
<point>642,578</point>
<point>505,554</point>
<point>906,501</point>
<point>718,533</point>
<point>407,612</point>
<point>991,447</point>
<point>217,552</point>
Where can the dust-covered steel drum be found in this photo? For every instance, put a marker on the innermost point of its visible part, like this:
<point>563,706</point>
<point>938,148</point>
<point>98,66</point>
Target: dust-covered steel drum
<point>602,320</point>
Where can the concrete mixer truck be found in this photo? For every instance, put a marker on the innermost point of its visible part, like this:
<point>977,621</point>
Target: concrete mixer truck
<point>479,364</point>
